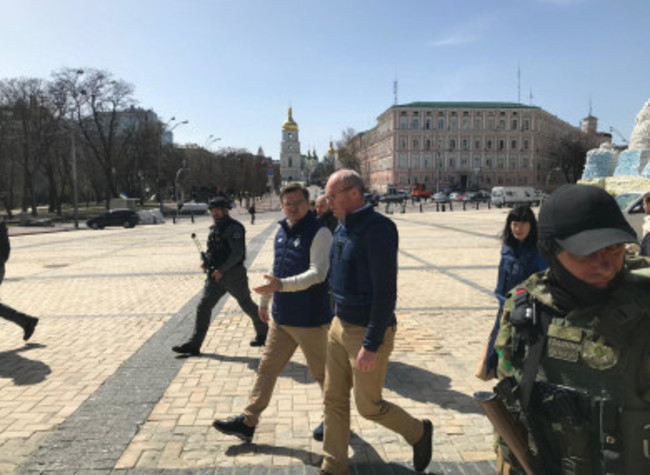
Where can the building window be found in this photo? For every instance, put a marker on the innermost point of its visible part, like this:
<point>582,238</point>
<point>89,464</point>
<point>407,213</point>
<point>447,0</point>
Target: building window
<point>488,163</point>
<point>465,144</point>
<point>451,163</point>
<point>415,123</point>
<point>427,144</point>
<point>477,145</point>
<point>403,123</point>
<point>427,123</point>
<point>525,125</point>
<point>441,123</point>
<point>514,124</point>
<point>513,145</point>
<point>477,123</point>
<point>402,143</point>
<point>500,180</point>
<point>452,144</point>
<point>500,163</point>
<point>525,144</point>
<point>416,144</point>
<point>502,144</point>
<point>453,123</point>
<point>290,162</point>
<point>502,124</point>
<point>513,164</point>
<point>489,145</point>
<point>524,163</point>
<point>466,121</point>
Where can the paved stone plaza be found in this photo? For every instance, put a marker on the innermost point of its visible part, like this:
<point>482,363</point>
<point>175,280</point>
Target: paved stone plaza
<point>97,389</point>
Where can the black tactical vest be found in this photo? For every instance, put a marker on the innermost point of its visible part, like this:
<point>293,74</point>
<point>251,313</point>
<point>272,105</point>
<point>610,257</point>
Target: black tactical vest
<point>589,409</point>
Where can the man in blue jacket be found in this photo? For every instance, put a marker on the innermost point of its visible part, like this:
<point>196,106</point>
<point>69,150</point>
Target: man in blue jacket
<point>301,311</point>
<point>363,281</point>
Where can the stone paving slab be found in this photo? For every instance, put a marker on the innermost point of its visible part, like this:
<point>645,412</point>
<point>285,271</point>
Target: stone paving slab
<point>109,298</point>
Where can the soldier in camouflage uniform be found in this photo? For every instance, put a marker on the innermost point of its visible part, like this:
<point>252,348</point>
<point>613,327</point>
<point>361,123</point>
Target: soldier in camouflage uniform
<point>574,344</point>
<point>224,266</point>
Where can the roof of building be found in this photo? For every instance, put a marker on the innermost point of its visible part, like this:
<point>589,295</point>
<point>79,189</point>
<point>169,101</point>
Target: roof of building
<point>468,105</point>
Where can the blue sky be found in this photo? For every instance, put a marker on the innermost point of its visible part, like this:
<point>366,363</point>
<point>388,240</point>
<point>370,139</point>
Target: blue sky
<point>232,68</point>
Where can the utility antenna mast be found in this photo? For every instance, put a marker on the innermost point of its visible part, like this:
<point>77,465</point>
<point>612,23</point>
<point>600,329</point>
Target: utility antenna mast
<point>519,84</point>
<point>395,90</point>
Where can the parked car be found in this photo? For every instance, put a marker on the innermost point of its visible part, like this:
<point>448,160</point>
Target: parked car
<point>481,196</point>
<point>441,197</point>
<point>393,195</point>
<point>420,191</point>
<point>631,204</point>
<point>150,216</point>
<point>194,207</point>
<point>456,196</point>
<point>115,217</point>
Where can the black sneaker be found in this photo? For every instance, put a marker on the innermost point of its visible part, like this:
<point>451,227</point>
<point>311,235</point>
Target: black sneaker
<point>28,329</point>
<point>186,349</point>
<point>235,426</point>
<point>423,447</point>
<point>319,432</point>
<point>259,340</point>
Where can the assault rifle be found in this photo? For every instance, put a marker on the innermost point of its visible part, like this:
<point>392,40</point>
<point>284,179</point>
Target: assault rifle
<point>505,426</point>
<point>204,257</point>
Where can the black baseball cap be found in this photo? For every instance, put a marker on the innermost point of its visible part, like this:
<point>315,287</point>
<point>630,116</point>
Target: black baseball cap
<point>220,202</point>
<point>583,219</point>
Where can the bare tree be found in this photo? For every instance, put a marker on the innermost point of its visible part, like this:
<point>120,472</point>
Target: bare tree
<point>348,150</point>
<point>569,154</point>
<point>97,101</point>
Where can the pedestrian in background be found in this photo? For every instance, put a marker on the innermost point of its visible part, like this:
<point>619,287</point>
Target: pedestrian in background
<point>324,213</point>
<point>363,281</point>
<point>301,312</point>
<point>251,211</point>
<point>574,344</point>
<point>26,322</point>
<point>519,260</point>
<point>225,272</point>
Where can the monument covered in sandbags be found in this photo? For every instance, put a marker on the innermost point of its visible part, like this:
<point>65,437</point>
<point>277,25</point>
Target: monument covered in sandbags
<point>619,171</point>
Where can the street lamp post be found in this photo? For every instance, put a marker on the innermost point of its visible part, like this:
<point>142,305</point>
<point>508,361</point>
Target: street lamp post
<point>160,197</point>
<point>73,157</point>
<point>210,140</point>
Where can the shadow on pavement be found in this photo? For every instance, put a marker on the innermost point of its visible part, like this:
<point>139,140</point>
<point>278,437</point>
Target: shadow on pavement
<point>366,460</point>
<point>305,456</point>
<point>296,371</point>
<point>23,370</point>
<point>424,386</point>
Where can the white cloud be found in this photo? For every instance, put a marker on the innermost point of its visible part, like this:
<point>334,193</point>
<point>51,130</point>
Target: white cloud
<point>452,40</point>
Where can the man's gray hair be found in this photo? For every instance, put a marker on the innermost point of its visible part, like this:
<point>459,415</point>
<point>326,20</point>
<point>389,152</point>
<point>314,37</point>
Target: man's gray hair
<point>351,179</point>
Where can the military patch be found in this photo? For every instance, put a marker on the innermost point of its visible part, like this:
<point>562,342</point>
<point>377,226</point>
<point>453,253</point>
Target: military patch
<point>597,355</point>
<point>563,350</point>
<point>565,333</point>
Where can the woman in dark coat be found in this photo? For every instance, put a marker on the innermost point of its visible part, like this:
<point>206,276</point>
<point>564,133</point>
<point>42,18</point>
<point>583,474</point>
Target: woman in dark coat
<point>519,260</point>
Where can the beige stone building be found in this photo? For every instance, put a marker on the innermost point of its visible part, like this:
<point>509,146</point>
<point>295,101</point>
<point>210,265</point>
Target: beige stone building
<point>474,144</point>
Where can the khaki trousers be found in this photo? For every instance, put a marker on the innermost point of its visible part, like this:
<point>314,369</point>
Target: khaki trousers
<point>281,343</point>
<point>343,345</point>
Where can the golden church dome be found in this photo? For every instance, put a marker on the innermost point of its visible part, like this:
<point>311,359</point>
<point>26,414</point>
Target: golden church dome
<point>290,124</point>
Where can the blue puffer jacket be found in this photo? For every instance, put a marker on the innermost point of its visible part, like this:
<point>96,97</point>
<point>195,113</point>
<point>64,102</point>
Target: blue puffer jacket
<point>305,308</point>
<point>517,264</point>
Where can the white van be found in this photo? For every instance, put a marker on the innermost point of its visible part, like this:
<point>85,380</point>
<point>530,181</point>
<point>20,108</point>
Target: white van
<point>514,195</point>
<point>631,204</point>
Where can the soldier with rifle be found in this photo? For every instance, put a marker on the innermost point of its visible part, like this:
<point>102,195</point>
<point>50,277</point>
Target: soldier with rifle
<point>574,348</point>
<point>223,264</point>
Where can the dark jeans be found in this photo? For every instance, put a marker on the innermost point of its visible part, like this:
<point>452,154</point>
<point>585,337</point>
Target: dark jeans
<point>9,313</point>
<point>234,282</point>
